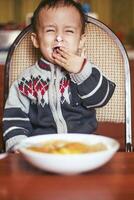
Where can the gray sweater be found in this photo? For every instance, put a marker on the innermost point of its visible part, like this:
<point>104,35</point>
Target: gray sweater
<point>47,99</point>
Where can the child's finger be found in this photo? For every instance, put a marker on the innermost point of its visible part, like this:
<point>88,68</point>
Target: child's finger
<point>58,58</point>
<point>61,63</point>
<point>65,50</point>
<point>63,53</point>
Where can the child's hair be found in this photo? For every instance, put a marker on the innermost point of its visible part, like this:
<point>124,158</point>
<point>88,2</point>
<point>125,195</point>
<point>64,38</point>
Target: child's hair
<point>56,4</point>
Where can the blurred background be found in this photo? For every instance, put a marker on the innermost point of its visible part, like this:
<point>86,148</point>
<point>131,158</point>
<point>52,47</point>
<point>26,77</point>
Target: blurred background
<point>117,14</point>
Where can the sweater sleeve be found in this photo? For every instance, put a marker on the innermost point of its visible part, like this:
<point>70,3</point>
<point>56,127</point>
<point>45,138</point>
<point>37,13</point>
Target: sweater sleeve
<point>94,89</point>
<point>16,123</point>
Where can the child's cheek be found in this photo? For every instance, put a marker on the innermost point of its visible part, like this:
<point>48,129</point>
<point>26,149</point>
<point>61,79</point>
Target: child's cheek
<point>49,50</point>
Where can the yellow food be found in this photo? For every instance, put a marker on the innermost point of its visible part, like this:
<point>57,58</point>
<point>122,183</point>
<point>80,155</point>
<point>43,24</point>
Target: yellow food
<point>65,147</point>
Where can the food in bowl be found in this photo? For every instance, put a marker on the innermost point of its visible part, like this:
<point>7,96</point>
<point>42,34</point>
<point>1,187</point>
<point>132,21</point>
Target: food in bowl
<point>68,163</point>
<point>66,147</point>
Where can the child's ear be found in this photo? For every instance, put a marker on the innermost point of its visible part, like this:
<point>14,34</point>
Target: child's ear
<point>81,49</point>
<point>34,39</point>
<point>82,41</point>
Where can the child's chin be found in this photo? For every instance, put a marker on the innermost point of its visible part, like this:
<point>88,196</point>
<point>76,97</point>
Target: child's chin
<point>52,61</point>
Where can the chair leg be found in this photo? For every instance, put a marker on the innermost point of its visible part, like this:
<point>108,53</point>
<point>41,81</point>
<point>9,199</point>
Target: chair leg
<point>129,147</point>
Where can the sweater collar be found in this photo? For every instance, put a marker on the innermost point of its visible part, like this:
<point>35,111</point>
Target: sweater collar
<point>43,64</point>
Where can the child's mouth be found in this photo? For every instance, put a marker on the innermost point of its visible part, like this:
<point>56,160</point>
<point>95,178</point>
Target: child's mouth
<point>55,49</point>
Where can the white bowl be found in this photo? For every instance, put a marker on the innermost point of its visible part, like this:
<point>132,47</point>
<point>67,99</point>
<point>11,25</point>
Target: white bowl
<point>68,163</point>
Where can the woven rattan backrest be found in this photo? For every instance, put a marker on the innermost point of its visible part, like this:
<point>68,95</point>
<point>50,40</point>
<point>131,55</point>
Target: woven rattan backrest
<point>101,48</point>
<point>22,56</point>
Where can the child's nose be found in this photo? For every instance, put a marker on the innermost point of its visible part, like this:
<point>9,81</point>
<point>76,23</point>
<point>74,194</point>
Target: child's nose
<point>59,38</point>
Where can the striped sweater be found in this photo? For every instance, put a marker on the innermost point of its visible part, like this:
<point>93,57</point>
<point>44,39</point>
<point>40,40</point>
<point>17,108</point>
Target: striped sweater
<point>47,99</point>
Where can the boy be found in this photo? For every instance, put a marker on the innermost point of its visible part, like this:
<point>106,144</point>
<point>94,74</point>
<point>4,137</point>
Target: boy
<point>60,92</point>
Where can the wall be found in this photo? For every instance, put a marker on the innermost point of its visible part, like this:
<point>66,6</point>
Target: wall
<point>16,10</point>
<point>112,12</point>
<point>122,15</point>
<point>27,8</point>
<point>118,14</point>
<point>103,8</point>
<point>6,11</point>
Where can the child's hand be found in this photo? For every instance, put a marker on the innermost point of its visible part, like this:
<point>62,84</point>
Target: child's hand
<point>69,61</point>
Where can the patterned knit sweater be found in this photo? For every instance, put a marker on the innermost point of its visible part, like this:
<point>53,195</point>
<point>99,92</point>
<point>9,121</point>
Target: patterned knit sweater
<point>47,99</point>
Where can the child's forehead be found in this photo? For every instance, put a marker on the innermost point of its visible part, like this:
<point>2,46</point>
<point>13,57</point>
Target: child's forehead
<point>60,9</point>
<point>61,15</point>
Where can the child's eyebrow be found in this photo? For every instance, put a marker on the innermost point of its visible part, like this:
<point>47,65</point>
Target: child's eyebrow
<point>54,26</point>
<point>49,25</point>
<point>72,27</point>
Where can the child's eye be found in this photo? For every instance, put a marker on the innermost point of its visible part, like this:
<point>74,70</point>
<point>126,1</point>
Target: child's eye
<point>69,31</point>
<point>50,30</point>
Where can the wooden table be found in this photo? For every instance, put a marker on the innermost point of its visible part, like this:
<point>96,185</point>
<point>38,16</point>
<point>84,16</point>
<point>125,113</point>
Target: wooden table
<point>114,181</point>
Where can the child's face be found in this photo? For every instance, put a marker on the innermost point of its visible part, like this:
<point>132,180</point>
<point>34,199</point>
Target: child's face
<point>57,27</point>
